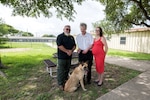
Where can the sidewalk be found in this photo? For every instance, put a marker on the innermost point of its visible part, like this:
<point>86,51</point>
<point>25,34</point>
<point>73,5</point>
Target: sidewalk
<point>137,88</point>
<point>140,65</point>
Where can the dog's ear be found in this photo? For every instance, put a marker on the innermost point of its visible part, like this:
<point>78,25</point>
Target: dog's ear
<point>87,62</point>
<point>81,63</point>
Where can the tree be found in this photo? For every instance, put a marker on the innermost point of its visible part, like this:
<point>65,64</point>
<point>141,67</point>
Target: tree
<point>6,29</point>
<point>1,65</point>
<point>1,39</point>
<point>3,31</point>
<point>46,35</point>
<point>34,8</point>
<point>28,34</point>
<point>12,31</point>
<point>124,14</point>
<point>3,28</point>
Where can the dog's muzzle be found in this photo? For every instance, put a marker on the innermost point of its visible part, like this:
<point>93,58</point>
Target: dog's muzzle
<point>85,68</point>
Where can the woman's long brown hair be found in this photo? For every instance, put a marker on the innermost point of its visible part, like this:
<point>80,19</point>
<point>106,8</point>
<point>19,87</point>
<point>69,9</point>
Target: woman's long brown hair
<point>100,31</point>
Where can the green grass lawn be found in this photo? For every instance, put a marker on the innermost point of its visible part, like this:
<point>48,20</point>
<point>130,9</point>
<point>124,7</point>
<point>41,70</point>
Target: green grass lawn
<point>26,78</point>
<point>132,55</point>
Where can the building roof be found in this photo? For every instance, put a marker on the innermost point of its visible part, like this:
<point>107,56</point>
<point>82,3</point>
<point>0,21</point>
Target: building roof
<point>138,30</point>
<point>15,37</point>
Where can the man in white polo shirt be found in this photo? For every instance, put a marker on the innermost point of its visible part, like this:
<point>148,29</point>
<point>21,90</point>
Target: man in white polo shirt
<point>85,42</point>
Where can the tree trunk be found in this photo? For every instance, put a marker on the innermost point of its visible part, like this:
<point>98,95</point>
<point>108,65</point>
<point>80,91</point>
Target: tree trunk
<point>1,65</point>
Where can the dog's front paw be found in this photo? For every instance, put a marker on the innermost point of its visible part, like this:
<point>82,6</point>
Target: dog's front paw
<point>84,89</point>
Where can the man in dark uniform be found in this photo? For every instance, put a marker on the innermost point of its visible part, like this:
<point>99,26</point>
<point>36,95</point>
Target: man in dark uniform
<point>66,46</point>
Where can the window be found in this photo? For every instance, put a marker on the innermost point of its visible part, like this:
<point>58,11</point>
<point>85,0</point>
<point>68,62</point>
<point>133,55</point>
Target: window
<point>122,40</point>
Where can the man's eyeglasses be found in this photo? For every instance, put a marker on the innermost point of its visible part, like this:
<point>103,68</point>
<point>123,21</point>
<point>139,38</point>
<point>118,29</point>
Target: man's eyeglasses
<point>67,29</point>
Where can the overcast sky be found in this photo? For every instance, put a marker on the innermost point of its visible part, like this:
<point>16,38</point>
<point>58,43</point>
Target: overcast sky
<point>89,12</point>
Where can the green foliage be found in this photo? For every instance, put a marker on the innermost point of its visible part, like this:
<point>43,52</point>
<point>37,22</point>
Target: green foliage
<point>124,14</point>
<point>6,29</point>
<point>46,35</point>
<point>3,29</point>
<point>28,34</point>
<point>34,8</point>
<point>132,55</point>
<point>13,31</point>
<point>107,27</point>
<point>3,40</point>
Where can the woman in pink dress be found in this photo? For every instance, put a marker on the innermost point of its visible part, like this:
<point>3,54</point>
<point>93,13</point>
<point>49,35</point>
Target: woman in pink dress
<point>99,51</point>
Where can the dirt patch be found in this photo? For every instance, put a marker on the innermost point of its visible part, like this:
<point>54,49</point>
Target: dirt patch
<point>14,50</point>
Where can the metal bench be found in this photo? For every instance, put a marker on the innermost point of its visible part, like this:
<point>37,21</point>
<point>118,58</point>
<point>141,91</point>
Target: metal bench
<point>50,67</point>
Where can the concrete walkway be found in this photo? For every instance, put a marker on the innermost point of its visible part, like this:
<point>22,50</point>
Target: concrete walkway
<point>137,88</point>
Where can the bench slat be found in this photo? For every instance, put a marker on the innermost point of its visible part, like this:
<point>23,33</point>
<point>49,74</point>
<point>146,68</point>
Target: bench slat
<point>49,63</point>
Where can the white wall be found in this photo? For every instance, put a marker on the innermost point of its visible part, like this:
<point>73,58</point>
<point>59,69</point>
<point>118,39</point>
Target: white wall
<point>135,41</point>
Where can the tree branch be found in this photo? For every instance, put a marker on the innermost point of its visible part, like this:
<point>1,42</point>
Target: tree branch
<point>141,23</point>
<point>139,3</point>
<point>145,24</point>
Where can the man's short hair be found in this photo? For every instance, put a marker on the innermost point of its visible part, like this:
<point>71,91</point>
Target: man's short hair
<point>66,26</point>
<point>83,25</point>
